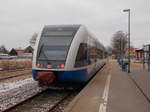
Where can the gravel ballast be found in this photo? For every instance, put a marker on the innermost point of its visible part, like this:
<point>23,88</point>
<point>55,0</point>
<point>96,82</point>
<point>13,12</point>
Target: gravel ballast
<point>12,93</point>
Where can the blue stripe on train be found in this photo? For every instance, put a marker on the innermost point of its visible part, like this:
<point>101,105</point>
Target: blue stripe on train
<point>34,73</point>
<point>73,76</point>
<point>68,76</point>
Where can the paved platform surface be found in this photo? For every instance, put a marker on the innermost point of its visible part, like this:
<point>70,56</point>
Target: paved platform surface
<point>112,90</point>
<point>142,78</point>
<point>124,94</point>
<point>89,99</point>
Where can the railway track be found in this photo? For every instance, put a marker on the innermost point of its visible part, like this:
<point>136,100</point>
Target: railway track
<point>8,75</point>
<point>46,101</point>
<point>15,70</point>
<point>13,76</point>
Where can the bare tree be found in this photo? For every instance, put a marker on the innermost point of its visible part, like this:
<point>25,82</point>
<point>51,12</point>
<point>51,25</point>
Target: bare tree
<point>119,43</point>
<point>3,49</point>
<point>33,39</point>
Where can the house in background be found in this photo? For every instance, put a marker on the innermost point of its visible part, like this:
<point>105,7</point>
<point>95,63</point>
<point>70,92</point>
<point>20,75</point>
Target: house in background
<point>143,53</point>
<point>13,52</point>
<point>28,49</point>
<point>16,52</point>
<point>139,54</point>
<point>22,53</point>
<point>19,51</point>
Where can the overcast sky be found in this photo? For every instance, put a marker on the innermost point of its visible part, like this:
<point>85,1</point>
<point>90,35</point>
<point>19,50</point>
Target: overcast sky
<point>19,19</point>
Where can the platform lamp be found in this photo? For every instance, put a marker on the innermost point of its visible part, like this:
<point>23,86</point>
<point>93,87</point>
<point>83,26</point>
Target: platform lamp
<point>128,10</point>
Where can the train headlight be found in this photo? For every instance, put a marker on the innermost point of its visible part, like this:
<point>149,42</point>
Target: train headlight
<point>61,65</point>
<point>38,65</point>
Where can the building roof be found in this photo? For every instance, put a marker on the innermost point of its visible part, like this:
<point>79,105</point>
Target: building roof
<point>133,49</point>
<point>139,50</point>
<point>28,49</point>
<point>19,51</point>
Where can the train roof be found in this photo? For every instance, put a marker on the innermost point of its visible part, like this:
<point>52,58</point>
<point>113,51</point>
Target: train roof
<point>62,27</point>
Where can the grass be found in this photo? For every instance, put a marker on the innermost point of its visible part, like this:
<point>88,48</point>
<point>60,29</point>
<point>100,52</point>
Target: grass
<point>12,64</point>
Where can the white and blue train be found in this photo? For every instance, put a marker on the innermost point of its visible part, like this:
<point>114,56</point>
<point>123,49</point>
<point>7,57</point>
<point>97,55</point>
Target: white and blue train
<point>66,54</point>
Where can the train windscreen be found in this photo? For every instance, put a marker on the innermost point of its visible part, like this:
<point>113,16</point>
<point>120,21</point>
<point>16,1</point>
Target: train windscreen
<point>52,52</point>
<point>53,47</point>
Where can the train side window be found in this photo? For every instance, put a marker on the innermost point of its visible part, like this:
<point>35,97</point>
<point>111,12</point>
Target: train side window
<point>81,59</point>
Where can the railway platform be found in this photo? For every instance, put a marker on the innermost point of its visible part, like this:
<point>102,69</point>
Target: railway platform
<point>113,90</point>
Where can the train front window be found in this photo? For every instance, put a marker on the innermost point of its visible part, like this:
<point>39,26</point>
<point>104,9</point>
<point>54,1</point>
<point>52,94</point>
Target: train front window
<point>54,44</point>
<point>49,52</point>
<point>53,47</point>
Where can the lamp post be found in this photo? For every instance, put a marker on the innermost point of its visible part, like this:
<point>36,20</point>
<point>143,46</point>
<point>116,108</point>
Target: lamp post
<point>143,57</point>
<point>128,10</point>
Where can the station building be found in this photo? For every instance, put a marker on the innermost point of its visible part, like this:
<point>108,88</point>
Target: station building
<point>143,53</point>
